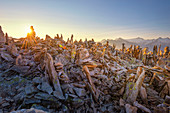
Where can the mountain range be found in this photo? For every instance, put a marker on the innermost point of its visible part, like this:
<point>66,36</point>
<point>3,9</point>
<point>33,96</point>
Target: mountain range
<point>139,41</point>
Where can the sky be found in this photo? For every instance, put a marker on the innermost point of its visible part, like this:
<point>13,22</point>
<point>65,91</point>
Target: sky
<point>98,19</point>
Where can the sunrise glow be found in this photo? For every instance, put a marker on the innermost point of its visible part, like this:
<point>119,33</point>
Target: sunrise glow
<point>116,19</point>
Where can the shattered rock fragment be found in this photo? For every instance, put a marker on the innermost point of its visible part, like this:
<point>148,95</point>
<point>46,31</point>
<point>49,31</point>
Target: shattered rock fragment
<point>12,49</point>
<point>143,108</point>
<point>6,56</point>
<point>130,109</point>
<point>32,110</point>
<point>46,87</point>
<point>143,95</point>
<point>29,89</point>
<point>136,88</point>
<point>19,60</point>
<point>167,99</point>
<point>80,92</point>
<point>53,76</point>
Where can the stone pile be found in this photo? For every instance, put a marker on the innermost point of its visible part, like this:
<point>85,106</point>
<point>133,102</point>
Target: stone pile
<point>54,75</point>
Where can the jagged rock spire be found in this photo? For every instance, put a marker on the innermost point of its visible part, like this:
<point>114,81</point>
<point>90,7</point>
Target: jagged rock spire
<point>2,38</point>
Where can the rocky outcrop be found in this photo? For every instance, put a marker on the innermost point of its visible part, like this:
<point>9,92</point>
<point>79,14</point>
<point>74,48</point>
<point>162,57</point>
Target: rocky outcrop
<point>2,37</point>
<point>56,76</point>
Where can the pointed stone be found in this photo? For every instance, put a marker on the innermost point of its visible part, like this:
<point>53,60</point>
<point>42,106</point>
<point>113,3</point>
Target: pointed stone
<point>2,38</point>
<point>130,109</point>
<point>46,87</point>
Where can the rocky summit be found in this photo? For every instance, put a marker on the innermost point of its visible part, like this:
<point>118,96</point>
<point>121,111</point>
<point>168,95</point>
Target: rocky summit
<point>58,76</point>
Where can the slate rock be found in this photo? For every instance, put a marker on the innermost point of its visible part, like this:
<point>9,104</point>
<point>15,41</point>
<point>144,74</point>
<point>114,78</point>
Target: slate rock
<point>161,110</point>
<point>45,96</point>
<point>46,87</point>
<point>31,101</point>
<point>5,104</point>
<point>167,99</point>
<point>130,109</point>
<point>6,56</point>
<point>29,89</point>
<point>32,110</point>
<point>64,108</point>
<point>37,80</point>
<point>19,97</point>
<point>80,91</point>
<point>1,100</point>
<point>9,99</point>
<point>21,69</point>
<point>1,79</point>
<point>76,102</point>
<point>39,107</point>
<point>58,95</point>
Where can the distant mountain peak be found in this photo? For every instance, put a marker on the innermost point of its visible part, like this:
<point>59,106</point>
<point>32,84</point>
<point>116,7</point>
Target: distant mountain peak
<point>139,38</point>
<point>119,38</point>
<point>140,41</point>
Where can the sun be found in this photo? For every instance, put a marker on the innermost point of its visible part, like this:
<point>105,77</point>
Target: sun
<point>30,39</point>
<point>27,30</point>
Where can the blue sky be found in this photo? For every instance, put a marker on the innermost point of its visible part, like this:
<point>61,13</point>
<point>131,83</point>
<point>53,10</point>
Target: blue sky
<point>98,19</point>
